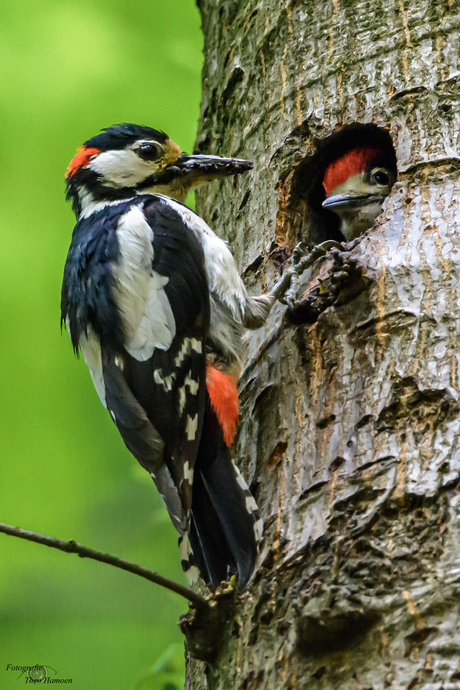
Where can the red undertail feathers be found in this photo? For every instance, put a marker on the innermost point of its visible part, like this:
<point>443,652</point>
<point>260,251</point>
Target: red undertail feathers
<point>223,393</point>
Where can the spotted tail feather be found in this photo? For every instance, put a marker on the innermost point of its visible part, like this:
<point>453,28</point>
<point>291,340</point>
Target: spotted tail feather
<point>225,528</point>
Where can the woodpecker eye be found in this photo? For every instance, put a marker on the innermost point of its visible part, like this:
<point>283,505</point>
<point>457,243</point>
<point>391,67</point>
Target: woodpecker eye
<point>149,151</point>
<point>380,177</point>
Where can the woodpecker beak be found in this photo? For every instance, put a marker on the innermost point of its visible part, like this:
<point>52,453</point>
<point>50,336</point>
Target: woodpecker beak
<point>352,200</point>
<point>196,169</point>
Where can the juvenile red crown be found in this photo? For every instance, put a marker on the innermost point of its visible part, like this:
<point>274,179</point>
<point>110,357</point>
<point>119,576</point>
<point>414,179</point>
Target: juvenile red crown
<point>351,163</point>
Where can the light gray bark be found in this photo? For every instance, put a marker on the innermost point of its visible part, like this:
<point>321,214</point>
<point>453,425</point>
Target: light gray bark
<point>349,426</point>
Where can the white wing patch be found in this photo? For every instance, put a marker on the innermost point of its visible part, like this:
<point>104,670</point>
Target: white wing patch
<point>144,306</point>
<point>91,351</point>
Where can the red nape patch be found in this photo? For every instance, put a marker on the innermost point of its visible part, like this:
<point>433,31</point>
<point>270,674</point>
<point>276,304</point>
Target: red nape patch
<point>224,401</point>
<point>81,158</point>
<point>352,163</point>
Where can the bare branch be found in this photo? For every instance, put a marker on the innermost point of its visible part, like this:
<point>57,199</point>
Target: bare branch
<point>84,552</point>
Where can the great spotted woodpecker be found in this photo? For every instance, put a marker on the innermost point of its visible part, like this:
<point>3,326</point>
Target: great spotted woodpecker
<point>153,300</point>
<point>356,185</point>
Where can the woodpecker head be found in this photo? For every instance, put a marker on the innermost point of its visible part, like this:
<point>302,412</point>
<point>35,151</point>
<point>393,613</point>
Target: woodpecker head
<point>356,185</point>
<point>126,159</point>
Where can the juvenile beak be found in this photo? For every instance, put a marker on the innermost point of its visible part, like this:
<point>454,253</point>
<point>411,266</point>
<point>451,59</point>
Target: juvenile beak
<point>196,169</point>
<point>350,199</point>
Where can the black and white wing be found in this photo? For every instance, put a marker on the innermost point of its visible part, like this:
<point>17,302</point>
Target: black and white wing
<point>135,298</point>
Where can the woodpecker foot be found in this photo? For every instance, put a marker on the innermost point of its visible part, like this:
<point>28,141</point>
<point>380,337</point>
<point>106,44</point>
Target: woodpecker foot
<point>345,280</point>
<point>287,287</point>
<point>341,278</point>
<point>204,628</point>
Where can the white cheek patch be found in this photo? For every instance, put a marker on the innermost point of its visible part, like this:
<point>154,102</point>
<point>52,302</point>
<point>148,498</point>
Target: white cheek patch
<point>122,168</point>
<point>145,309</point>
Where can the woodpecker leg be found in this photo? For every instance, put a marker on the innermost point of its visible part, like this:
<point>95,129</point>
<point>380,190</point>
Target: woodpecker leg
<point>286,288</point>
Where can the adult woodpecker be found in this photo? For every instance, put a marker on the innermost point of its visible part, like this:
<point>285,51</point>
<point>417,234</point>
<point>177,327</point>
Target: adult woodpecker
<point>153,300</point>
<point>356,185</point>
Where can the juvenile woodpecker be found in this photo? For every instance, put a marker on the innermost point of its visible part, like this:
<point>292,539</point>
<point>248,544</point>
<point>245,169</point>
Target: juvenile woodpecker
<point>153,300</point>
<point>356,186</point>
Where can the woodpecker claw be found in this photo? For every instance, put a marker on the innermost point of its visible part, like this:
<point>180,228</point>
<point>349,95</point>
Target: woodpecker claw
<point>285,290</point>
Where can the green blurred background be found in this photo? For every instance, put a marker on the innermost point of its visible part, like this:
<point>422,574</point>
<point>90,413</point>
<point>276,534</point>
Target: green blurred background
<point>67,70</point>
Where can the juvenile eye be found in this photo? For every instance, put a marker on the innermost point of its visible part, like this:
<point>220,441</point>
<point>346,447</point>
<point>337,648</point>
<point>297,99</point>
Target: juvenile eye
<point>149,151</point>
<point>380,177</point>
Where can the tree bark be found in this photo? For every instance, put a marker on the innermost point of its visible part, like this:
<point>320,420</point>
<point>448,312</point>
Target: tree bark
<point>349,431</point>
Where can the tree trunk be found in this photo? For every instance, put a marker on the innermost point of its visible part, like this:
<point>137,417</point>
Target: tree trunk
<point>349,431</point>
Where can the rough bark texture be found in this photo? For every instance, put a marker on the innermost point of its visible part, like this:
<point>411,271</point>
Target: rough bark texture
<point>350,423</point>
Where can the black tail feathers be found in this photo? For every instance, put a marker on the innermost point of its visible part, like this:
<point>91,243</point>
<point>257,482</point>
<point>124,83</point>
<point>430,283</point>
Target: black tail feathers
<point>225,527</point>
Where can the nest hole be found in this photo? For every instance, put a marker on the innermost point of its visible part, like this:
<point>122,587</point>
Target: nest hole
<point>301,216</point>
